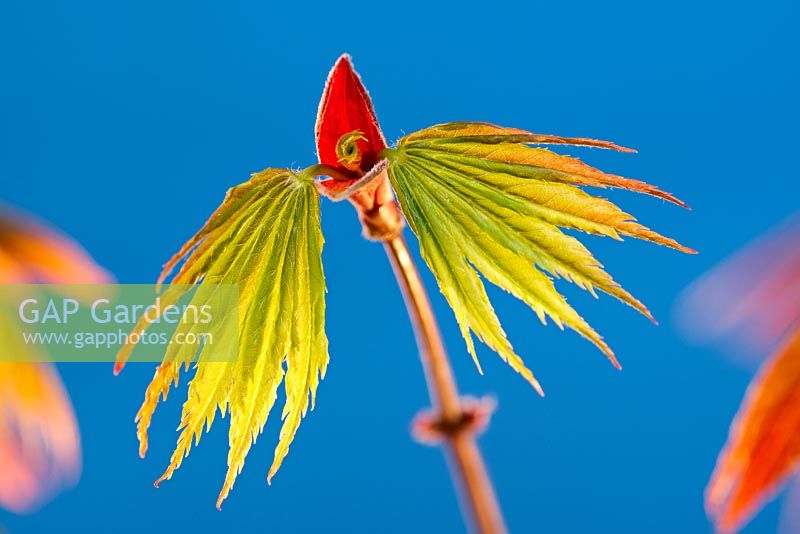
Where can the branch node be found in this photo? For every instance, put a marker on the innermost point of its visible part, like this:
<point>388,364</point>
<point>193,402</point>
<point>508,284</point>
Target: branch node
<point>431,427</point>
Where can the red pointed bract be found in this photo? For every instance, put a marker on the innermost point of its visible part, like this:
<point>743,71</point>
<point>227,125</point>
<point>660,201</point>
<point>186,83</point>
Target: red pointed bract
<point>346,107</point>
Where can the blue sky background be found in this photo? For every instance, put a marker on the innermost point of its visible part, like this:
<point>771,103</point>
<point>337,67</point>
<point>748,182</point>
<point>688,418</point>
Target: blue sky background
<point>124,123</point>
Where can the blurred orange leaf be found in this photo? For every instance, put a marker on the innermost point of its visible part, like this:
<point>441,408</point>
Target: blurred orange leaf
<point>763,448</point>
<point>39,439</point>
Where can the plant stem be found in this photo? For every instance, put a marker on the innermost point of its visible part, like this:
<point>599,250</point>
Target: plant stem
<point>465,458</point>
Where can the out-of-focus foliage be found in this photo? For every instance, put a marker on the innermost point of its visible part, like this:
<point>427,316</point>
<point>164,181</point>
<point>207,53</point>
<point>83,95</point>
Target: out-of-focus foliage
<point>752,298</point>
<point>39,442</point>
<point>763,449</point>
<point>753,301</point>
<point>39,439</point>
<point>31,252</point>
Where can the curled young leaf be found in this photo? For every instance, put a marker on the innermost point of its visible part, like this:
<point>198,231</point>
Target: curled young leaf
<point>347,152</point>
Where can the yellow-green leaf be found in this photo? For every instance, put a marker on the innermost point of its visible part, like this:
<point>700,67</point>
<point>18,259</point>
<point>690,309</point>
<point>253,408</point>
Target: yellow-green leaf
<point>481,201</point>
<point>266,238</point>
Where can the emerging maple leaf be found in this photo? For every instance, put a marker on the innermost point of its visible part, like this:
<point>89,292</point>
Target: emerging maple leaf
<point>39,439</point>
<point>266,238</point>
<point>755,298</point>
<point>478,197</point>
<point>481,200</point>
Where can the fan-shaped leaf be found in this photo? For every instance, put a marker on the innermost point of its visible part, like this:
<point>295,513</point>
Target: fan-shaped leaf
<point>266,238</point>
<point>479,199</point>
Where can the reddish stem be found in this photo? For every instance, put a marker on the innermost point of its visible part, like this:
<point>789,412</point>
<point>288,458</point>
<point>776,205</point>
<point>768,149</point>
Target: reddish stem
<point>476,488</point>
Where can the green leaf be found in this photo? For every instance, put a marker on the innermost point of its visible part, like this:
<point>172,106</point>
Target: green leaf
<point>481,201</point>
<point>266,238</point>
